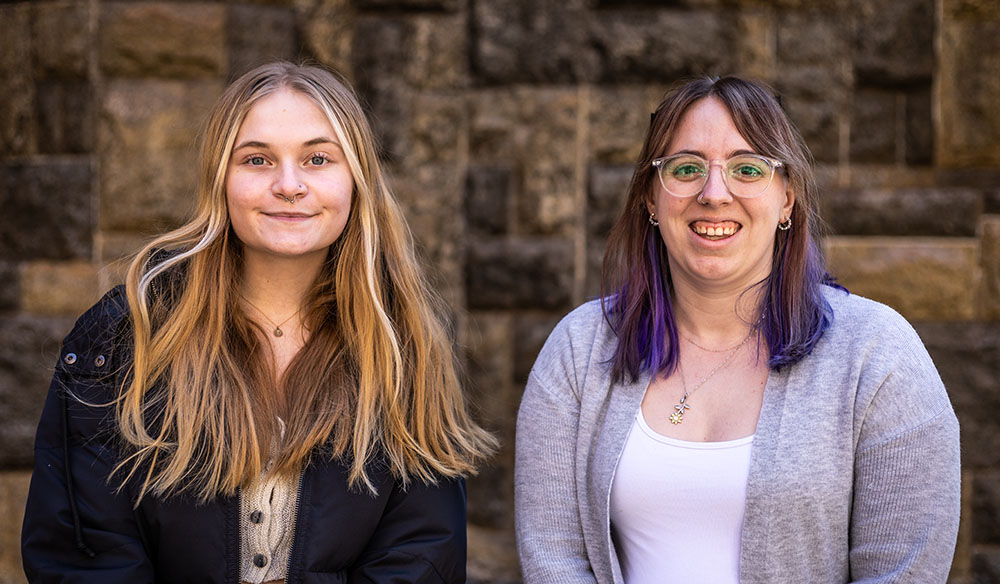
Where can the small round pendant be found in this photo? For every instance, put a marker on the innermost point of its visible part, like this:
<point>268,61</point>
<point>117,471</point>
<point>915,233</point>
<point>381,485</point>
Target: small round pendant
<point>277,332</point>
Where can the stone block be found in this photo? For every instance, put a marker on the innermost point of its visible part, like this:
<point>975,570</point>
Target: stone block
<point>968,130</point>
<point>29,347</point>
<point>531,329</point>
<point>919,128</point>
<point>873,126</point>
<point>884,176</point>
<point>58,288</point>
<point>147,136</point>
<point>595,263</point>
<point>990,263</point>
<point>410,5</point>
<point>905,211</point>
<point>327,29</point>
<point>811,37</point>
<point>662,45</point>
<point>755,41</point>
<point>163,39</point>
<point>986,508</point>
<point>492,556</point>
<point>538,131</point>
<point>65,118</point>
<point>519,273</point>
<point>48,209</point>
<point>428,51</point>
<point>531,41</point>
<point>13,496</point>
<point>17,115</point>
<point>606,193</point>
<point>61,39</point>
<point>10,286</point>
<point>991,201</point>
<point>488,199</point>
<point>986,566</point>
<point>967,356</point>
<point>618,120</point>
<point>922,278</point>
<point>894,42</point>
<point>259,34</point>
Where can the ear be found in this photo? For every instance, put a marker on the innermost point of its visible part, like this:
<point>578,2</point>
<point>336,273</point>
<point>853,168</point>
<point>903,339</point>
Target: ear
<point>786,209</point>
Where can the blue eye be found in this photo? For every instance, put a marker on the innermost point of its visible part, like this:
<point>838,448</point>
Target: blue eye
<point>318,160</point>
<point>256,161</point>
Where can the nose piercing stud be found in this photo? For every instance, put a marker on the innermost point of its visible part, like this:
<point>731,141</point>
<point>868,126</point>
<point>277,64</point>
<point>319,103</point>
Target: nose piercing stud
<point>291,199</point>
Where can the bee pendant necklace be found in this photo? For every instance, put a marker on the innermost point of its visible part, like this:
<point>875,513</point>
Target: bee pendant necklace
<point>678,416</point>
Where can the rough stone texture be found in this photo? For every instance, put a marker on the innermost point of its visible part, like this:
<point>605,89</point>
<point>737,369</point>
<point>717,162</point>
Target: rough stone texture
<point>969,89</point>
<point>65,288</point>
<point>986,508</point>
<point>10,286</point>
<point>608,186</point>
<point>873,126</point>
<point>47,209</point>
<point>618,119</point>
<point>755,46</point>
<point>259,34</point>
<point>894,41</point>
<point>902,211</point>
<point>147,139</point>
<point>530,330</point>
<point>62,39</point>
<point>922,278</point>
<point>416,5</point>
<point>488,200</point>
<point>531,41</point>
<point>919,130</point>
<point>990,263</point>
<point>536,128</point>
<point>163,38</point>
<point>967,356</point>
<point>65,118</point>
<point>17,120</point>
<point>662,44</point>
<point>523,273</point>
<point>327,28</point>
<point>492,556</point>
<point>29,346</point>
<point>13,494</point>
<point>986,566</point>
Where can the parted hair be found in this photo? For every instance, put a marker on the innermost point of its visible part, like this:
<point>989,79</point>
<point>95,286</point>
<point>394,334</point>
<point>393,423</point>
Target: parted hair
<point>636,282</point>
<point>376,381</point>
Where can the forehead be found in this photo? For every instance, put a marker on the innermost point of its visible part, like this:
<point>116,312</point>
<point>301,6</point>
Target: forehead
<point>285,115</point>
<point>707,127</point>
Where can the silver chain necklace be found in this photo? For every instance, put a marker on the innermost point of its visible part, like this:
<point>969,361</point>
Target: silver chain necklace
<point>678,416</point>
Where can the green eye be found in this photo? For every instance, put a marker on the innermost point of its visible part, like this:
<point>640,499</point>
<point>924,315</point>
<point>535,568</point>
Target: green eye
<point>687,171</point>
<point>748,172</point>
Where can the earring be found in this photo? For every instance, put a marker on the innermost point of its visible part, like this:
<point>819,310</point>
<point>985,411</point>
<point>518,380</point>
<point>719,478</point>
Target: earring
<point>785,224</point>
<point>652,219</point>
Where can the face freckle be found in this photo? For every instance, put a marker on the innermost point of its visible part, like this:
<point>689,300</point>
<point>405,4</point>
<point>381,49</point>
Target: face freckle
<point>288,183</point>
<point>717,239</point>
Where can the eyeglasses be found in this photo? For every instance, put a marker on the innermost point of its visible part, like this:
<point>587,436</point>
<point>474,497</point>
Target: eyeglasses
<point>745,175</point>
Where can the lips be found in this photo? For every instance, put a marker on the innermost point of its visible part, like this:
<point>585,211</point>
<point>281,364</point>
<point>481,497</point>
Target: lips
<point>715,230</point>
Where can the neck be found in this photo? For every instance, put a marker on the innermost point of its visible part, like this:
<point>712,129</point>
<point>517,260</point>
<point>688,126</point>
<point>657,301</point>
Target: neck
<point>715,318</point>
<point>278,286</point>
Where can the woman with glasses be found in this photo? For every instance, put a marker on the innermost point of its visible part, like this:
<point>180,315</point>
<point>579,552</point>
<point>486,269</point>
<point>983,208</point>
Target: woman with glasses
<point>725,413</point>
<point>272,395</point>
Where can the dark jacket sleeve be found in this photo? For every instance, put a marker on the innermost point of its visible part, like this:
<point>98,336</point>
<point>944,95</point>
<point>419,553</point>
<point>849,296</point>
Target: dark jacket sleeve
<point>420,538</point>
<point>76,527</point>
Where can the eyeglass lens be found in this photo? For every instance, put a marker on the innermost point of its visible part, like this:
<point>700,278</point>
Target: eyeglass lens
<point>745,175</point>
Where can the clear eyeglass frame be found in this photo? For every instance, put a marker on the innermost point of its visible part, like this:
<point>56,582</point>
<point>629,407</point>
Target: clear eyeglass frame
<point>685,189</point>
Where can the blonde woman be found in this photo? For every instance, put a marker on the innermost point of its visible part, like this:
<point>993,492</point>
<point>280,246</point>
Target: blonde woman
<point>271,396</point>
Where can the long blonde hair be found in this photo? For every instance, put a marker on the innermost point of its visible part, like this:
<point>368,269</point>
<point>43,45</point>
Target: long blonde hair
<point>376,381</point>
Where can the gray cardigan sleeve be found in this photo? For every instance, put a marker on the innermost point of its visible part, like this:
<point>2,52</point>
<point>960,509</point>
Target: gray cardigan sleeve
<point>907,481</point>
<point>547,518</point>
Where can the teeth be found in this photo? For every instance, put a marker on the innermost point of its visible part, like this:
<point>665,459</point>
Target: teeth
<point>715,231</point>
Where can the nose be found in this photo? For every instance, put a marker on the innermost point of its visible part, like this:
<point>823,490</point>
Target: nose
<point>715,191</point>
<point>288,183</point>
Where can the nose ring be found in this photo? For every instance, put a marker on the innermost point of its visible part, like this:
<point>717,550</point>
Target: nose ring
<point>291,199</point>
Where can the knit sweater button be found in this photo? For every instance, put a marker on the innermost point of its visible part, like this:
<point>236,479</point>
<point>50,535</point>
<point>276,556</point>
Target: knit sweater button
<point>259,560</point>
<point>256,517</point>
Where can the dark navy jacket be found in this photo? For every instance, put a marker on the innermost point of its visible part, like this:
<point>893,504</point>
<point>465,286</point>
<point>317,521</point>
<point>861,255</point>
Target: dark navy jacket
<point>77,529</point>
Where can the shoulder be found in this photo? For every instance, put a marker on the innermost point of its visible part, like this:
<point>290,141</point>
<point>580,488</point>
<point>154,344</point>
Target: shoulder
<point>866,321</point>
<point>98,336</point>
<point>583,329</point>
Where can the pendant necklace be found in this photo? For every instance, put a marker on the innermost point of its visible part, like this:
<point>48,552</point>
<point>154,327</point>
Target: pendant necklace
<point>277,327</point>
<point>678,416</point>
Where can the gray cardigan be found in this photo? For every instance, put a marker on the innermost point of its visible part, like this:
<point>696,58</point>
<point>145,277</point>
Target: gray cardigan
<point>854,473</point>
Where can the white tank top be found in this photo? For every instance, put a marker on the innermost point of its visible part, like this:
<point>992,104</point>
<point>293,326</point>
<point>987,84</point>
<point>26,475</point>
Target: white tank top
<point>677,508</point>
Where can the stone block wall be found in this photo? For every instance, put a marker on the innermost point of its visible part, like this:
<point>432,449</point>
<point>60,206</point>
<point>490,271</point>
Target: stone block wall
<point>510,127</point>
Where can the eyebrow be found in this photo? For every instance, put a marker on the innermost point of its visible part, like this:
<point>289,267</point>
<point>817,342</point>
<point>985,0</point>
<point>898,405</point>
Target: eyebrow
<point>265,145</point>
<point>702,154</point>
